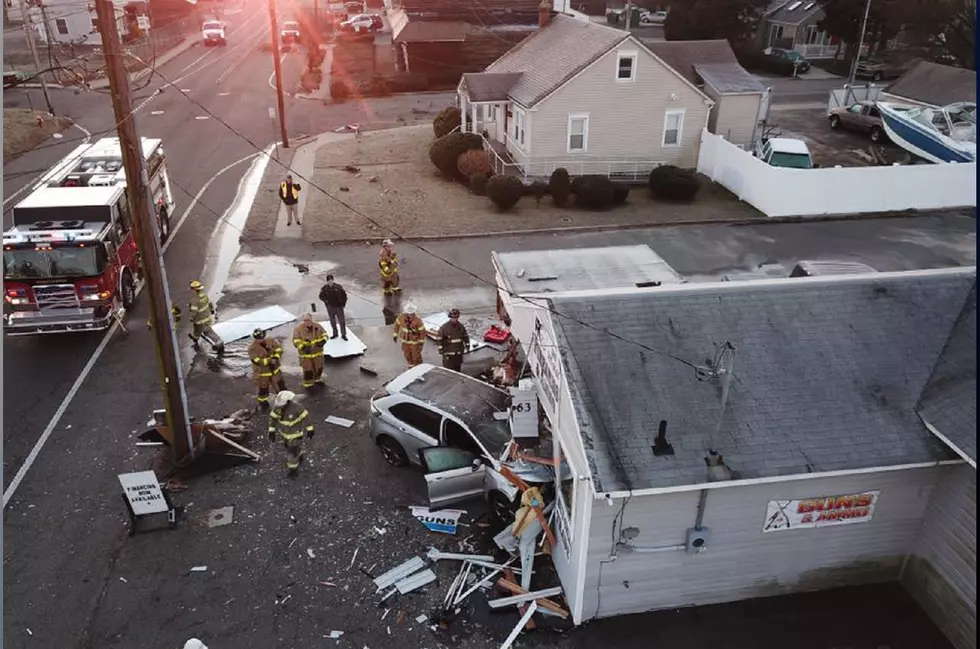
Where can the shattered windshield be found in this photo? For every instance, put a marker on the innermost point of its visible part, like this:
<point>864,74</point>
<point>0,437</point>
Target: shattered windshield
<point>57,262</point>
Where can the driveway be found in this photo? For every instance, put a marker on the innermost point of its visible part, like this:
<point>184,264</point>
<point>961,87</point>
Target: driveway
<point>830,147</point>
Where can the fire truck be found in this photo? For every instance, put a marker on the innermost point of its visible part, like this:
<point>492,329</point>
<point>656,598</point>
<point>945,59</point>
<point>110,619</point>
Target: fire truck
<point>71,261</point>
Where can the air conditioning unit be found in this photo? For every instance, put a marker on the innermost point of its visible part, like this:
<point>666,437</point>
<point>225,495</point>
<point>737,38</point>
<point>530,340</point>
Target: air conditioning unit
<point>102,180</point>
<point>697,540</point>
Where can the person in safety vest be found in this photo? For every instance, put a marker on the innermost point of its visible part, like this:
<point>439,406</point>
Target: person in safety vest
<point>453,342</point>
<point>266,357</point>
<point>410,332</point>
<point>175,313</point>
<point>202,315</point>
<point>292,422</point>
<point>309,339</point>
<point>289,194</point>
<point>388,264</point>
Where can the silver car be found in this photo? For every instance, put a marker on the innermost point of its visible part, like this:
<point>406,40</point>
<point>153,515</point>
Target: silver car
<point>456,428</point>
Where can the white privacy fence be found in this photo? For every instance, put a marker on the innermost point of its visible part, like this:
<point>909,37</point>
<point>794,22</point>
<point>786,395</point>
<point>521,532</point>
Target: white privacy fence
<point>847,190</point>
<point>851,94</point>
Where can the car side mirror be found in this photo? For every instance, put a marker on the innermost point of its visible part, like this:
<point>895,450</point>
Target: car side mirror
<point>477,463</point>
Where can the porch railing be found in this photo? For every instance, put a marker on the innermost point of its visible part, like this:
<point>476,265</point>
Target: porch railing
<point>629,168</point>
<point>815,52</point>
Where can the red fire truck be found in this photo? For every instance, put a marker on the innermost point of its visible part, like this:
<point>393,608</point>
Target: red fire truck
<point>70,261</point>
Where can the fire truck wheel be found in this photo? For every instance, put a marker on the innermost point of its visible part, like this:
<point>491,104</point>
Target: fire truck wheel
<point>128,292</point>
<point>164,225</point>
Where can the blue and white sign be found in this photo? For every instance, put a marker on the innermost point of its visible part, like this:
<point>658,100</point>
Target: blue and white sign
<point>443,521</point>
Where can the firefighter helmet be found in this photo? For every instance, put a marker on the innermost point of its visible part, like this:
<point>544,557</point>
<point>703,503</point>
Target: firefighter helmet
<point>283,398</point>
<point>411,309</point>
<point>258,334</point>
<point>453,313</point>
<point>387,243</point>
<point>196,285</point>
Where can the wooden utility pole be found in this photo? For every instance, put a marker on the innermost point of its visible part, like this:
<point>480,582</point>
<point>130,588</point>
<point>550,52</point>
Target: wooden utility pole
<point>857,55</point>
<point>147,235</point>
<point>629,14</point>
<point>28,19</point>
<point>278,69</point>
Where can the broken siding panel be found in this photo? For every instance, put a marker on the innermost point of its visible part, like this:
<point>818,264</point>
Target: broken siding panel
<point>735,118</point>
<point>625,119</point>
<point>942,572</point>
<point>740,561</point>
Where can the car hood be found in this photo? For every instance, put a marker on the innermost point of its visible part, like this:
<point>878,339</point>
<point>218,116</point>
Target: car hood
<point>532,472</point>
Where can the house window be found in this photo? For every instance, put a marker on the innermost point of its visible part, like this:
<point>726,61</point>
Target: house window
<point>775,34</point>
<point>626,66</point>
<point>578,133</point>
<point>62,26</point>
<point>519,124</point>
<point>673,125</point>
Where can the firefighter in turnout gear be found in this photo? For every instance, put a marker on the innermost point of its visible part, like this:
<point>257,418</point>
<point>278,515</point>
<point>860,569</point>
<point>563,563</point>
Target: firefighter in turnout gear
<point>453,342</point>
<point>202,314</point>
<point>309,339</point>
<point>266,356</point>
<point>174,312</point>
<point>388,263</point>
<point>410,332</point>
<point>292,422</point>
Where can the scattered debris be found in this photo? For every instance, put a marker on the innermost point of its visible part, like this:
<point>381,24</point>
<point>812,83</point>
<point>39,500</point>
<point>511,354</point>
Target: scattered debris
<point>373,179</point>
<point>354,558</point>
<point>385,614</point>
<point>340,421</point>
<point>368,370</point>
<point>199,569</point>
<point>123,580</point>
<point>327,583</point>
<point>444,521</point>
<point>519,599</point>
<point>542,602</point>
<point>29,632</point>
<point>220,517</point>
<point>398,573</point>
<point>400,617</point>
<point>345,189</point>
<point>149,443</point>
<point>310,554</point>
<point>520,625</point>
<point>408,584</point>
<point>335,634</point>
<point>352,169</point>
<point>437,555</point>
<point>422,618</point>
<point>380,530</point>
<point>283,600</point>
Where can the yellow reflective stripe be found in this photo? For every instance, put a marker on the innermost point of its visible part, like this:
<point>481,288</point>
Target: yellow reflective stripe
<point>309,428</point>
<point>292,422</point>
<point>291,436</point>
<point>275,414</point>
<point>260,360</point>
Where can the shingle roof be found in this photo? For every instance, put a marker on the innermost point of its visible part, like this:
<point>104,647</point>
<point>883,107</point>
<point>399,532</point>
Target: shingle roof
<point>682,56</point>
<point>490,86</point>
<point>935,84</point>
<point>827,373</point>
<point>949,402</point>
<point>726,77</point>
<point>795,12</point>
<point>553,55</point>
<point>406,30</point>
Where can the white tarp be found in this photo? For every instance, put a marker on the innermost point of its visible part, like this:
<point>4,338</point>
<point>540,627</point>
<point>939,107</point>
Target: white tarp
<point>339,348</point>
<point>241,326</point>
<point>820,512</point>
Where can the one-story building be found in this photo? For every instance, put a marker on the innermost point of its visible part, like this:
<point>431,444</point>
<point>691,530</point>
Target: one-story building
<point>933,85</point>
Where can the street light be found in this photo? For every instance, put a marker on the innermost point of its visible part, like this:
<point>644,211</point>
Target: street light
<point>857,56</point>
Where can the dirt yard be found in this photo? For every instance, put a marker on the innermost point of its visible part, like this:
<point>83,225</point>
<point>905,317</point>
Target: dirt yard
<point>21,132</point>
<point>397,186</point>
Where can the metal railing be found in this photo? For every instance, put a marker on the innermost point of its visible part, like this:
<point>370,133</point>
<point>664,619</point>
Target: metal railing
<point>500,166</point>
<point>631,168</point>
<point>817,51</point>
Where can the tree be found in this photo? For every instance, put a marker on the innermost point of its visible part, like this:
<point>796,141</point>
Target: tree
<point>733,20</point>
<point>946,28</point>
<point>843,18</point>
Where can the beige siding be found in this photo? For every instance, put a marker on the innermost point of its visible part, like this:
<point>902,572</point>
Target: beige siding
<point>742,562</point>
<point>625,119</point>
<point>942,572</point>
<point>734,118</point>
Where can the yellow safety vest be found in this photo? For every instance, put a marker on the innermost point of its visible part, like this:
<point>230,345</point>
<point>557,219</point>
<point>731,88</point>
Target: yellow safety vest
<point>292,191</point>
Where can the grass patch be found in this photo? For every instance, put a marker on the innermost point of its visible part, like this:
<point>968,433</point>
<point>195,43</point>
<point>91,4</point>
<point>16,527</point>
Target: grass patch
<point>21,132</point>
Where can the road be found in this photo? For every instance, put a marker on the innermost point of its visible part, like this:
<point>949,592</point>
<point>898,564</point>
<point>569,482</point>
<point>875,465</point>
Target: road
<point>788,91</point>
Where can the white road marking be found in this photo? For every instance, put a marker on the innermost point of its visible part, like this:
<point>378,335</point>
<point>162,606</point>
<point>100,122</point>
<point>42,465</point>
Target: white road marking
<point>156,112</point>
<point>272,77</point>
<point>202,117</point>
<point>223,94</point>
<point>76,386</point>
<point>85,140</point>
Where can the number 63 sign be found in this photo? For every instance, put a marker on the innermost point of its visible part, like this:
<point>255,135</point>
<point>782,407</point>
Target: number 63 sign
<point>524,413</point>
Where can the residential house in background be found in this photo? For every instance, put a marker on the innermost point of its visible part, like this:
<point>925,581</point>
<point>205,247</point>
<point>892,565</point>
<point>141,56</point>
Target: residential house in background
<point>64,21</point>
<point>794,25</point>
<point>586,97</point>
<point>934,85</point>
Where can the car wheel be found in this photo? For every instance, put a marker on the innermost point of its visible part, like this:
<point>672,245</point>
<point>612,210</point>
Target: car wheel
<point>876,134</point>
<point>501,508</point>
<point>834,122</point>
<point>164,225</point>
<point>128,291</point>
<point>392,451</point>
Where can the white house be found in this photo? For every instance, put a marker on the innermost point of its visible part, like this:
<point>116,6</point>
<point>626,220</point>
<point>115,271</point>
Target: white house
<point>67,21</point>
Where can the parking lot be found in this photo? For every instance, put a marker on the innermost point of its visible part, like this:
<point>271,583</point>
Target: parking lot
<point>830,147</point>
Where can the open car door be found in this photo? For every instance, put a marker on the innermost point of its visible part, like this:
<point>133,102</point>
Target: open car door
<point>451,474</point>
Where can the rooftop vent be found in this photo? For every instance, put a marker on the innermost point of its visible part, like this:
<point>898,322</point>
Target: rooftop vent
<point>661,446</point>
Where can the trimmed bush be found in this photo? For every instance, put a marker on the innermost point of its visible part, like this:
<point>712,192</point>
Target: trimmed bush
<point>447,119</point>
<point>595,192</point>
<point>538,190</point>
<point>478,184</point>
<point>560,186</point>
<point>505,191</point>
<point>670,183</point>
<point>473,162</point>
<point>621,193</point>
<point>445,151</point>
<point>577,183</point>
<point>339,90</point>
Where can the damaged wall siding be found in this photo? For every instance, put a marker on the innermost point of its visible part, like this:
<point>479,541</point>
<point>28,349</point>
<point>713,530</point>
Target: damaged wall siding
<point>741,562</point>
<point>942,572</point>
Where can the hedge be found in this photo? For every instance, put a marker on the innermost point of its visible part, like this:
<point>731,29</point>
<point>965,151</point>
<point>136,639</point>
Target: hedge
<point>560,187</point>
<point>594,192</point>
<point>670,183</point>
<point>447,120</point>
<point>473,162</point>
<point>505,191</point>
<point>445,152</point>
<point>478,184</point>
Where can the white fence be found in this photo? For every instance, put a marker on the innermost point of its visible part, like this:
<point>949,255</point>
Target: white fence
<point>850,94</point>
<point>835,190</point>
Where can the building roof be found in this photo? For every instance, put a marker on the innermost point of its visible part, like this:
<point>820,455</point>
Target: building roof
<point>728,78</point>
<point>554,54</point>
<point>529,272</point>
<point>682,56</point>
<point>826,374</point>
<point>418,31</point>
<point>773,6</point>
<point>795,12</point>
<point>489,86</point>
<point>949,402</point>
<point>935,84</point>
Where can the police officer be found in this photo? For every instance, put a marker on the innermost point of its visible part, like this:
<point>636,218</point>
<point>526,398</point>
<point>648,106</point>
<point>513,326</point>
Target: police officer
<point>453,342</point>
<point>292,422</point>
<point>266,357</point>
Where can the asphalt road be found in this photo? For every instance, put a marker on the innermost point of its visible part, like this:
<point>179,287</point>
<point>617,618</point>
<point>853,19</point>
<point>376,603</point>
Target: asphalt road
<point>786,90</point>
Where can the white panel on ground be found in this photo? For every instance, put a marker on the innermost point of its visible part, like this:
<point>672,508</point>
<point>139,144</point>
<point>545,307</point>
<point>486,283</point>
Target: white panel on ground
<point>339,348</point>
<point>475,327</point>
<point>241,326</point>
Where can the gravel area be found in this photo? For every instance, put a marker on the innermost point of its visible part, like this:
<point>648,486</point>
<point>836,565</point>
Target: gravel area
<point>398,188</point>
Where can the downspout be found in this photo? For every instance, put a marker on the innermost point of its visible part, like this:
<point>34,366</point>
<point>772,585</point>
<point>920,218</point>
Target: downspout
<point>718,471</point>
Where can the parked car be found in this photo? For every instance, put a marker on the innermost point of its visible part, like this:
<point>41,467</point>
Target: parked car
<point>784,152</point>
<point>792,56</point>
<point>653,17</point>
<point>862,116</point>
<point>289,32</point>
<point>362,23</point>
<point>880,69</point>
<point>213,32</point>
<point>456,428</point>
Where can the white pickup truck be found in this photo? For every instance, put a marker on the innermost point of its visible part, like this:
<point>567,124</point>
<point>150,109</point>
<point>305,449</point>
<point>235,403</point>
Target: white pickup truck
<point>289,33</point>
<point>784,152</point>
<point>214,33</point>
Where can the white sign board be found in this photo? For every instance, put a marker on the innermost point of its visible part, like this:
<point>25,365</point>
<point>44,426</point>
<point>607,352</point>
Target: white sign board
<point>820,512</point>
<point>443,521</point>
<point>143,22</point>
<point>524,411</point>
<point>272,113</point>
<point>143,493</point>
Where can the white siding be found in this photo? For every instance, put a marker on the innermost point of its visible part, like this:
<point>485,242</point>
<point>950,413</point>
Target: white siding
<point>942,572</point>
<point>734,118</point>
<point>741,562</point>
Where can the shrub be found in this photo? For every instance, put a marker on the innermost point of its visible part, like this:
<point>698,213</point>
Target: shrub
<point>670,183</point>
<point>505,191</point>
<point>621,193</point>
<point>478,183</point>
<point>445,151</point>
<point>577,183</point>
<point>447,119</point>
<point>560,187</point>
<point>473,162</point>
<point>339,90</point>
<point>538,190</point>
<point>595,192</point>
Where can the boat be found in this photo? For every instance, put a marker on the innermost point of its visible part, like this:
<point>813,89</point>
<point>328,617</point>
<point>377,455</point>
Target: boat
<point>944,134</point>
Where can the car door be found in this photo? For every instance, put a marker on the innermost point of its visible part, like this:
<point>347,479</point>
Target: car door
<point>455,435</point>
<point>451,474</point>
<point>852,116</point>
<point>413,426</point>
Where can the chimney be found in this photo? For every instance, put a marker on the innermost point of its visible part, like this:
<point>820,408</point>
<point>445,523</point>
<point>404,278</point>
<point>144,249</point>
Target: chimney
<point>544,13</point>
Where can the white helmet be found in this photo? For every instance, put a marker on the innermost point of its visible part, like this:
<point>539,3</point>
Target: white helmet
<point>411,309</point>
<point>283,398</point>
<point>387,243</point>
<point>194,643</point>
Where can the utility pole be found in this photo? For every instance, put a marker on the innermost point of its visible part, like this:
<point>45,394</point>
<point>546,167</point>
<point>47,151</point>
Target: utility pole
<point>145,228</point>
<point>857,55</point>
<point>278,68</point>
<point>29,31</point>
<point>629,13</point>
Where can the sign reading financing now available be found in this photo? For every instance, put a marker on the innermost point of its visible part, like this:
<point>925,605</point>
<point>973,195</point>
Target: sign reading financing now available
<point>820,512</point>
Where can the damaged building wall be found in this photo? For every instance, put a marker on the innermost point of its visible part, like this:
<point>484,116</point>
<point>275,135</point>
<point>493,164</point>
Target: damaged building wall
<point>740,560</point>
<point>941,574</point>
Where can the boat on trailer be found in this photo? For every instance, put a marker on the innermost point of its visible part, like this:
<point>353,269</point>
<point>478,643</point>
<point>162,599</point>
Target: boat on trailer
<point>944,134</point>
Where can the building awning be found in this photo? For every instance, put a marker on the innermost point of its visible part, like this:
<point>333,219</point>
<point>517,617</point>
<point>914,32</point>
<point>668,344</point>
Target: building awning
<point>489,86</point>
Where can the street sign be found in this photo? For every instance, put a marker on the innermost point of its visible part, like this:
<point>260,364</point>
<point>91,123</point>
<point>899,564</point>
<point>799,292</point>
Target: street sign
<point>524,410</point>
<point>143,493</point>
<point>272,113</point>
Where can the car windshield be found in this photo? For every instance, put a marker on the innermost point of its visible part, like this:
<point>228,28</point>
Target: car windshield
<point>792,160</point>
<point>290,25</point>
<point>57,262</point>
<point>212,25</point>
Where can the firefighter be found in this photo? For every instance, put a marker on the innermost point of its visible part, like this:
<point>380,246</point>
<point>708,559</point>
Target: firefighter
<point>453,342</point>
<point>266,356</point>
<point>292,422</point>
<point>174,312</point>
<point>309,339</point>
<point>202,315</point>
<point>388,263</point>
<point>410,332</point>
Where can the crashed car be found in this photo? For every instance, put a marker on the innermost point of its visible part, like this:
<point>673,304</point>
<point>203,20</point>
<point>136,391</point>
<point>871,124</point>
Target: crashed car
<point>456,429</point>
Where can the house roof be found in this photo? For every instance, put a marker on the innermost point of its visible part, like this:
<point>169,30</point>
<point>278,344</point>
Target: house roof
<point>728,78</point>
<point>935,84</point>
<point>949,402</point>
<point>682,56</point>
<point>406,30</point>
<point>577,269</point>
<point>490,86</point>
<point>827,372</point>
<point>773,6</point>
<point>795,12</point>
<point>554,54</point>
